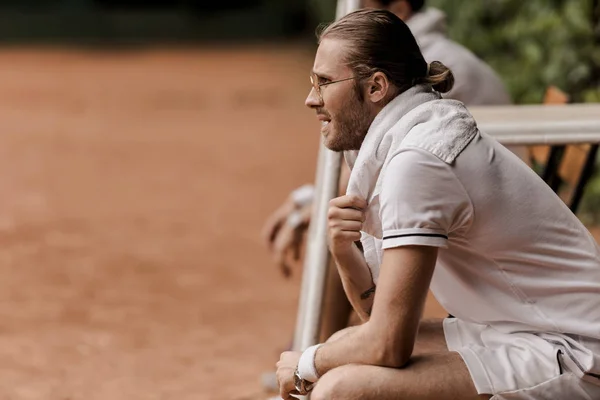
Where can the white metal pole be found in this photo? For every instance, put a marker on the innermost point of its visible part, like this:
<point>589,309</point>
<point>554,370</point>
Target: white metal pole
<point>317,254</point>
<point>316,260</point>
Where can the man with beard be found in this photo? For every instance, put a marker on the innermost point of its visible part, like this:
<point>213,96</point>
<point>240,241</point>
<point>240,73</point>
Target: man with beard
<point>475,84</point>
<point>438,204</point>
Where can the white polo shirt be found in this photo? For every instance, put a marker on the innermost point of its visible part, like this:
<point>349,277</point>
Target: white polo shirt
<point>512,255</point>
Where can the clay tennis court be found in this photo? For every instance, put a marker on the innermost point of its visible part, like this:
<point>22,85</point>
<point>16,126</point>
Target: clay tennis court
<point>134,184</point>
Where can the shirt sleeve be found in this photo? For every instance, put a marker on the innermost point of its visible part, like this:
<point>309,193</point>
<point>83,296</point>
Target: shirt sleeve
<point>422,202</point>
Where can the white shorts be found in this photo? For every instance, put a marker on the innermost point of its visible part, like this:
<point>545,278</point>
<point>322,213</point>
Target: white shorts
<point>515,366</point>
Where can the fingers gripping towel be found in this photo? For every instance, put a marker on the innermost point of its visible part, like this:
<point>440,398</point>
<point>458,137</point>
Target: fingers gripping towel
<point>418,118</point>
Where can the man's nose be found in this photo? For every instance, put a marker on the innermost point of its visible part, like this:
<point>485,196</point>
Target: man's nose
<point>313,100</point>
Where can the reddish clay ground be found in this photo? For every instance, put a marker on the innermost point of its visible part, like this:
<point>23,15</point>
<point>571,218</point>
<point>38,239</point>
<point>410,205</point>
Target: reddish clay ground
<point>134,185</point>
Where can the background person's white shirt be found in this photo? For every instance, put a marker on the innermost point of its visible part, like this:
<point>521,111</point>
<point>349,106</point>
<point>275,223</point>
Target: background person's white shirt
<point>475,82</point>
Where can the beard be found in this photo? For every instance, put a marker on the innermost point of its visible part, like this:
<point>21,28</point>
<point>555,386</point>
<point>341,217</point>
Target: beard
<point>350,126</point>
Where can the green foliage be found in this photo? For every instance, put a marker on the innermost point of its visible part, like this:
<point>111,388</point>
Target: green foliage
<point>532,44</point>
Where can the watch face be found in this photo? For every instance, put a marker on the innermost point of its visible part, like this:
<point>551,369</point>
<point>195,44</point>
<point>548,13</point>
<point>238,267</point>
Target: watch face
<point>298,383</point>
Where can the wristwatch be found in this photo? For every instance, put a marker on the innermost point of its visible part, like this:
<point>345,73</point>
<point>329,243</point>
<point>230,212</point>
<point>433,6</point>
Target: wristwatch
<point>302,385</point>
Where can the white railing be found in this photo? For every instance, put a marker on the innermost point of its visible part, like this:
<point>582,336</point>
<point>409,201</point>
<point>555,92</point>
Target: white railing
<point>541,124</point>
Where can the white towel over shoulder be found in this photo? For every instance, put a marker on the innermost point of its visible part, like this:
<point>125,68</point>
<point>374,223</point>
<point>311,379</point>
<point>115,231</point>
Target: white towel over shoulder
<point>416,118</point>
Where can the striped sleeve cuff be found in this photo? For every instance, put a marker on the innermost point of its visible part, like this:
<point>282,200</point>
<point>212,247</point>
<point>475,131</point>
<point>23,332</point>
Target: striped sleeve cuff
<point>412,237</point>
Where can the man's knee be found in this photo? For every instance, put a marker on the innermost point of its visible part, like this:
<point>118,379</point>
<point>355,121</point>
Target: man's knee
<point>334,384</point>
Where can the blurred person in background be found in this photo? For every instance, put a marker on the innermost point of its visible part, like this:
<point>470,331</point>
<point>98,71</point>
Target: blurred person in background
<point>475,84</point>
<point>436,203</point>
<point>475,81</point>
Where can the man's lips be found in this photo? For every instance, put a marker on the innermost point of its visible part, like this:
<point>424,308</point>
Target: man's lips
<point>325,120</point>
<point>323,117</point>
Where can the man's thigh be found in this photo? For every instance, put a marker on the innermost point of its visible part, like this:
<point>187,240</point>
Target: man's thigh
<point>439,376</point>
<point>430,338</point>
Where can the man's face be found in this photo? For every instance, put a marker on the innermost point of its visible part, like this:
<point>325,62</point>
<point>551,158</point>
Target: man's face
<point>345,117</point>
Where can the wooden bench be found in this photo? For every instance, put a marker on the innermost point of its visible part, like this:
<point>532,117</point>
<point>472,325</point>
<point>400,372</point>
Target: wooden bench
<point>566,169</point>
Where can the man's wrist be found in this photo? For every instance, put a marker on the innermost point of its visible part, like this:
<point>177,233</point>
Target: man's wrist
<point>341,252</point>
<point>302,386</point>
<point>307,369</point>
<point>294,219</point>
<point>303,195</point>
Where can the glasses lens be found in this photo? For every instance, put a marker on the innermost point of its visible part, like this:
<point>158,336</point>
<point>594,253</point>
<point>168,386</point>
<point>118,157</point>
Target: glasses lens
<point>314,82</point>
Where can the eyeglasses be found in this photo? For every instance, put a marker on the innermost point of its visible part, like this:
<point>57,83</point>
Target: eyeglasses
<point>314,80</point>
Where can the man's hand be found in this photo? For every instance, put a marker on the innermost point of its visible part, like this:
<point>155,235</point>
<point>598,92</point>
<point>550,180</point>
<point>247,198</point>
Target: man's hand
<point>286,366</point>
<point>345,218</point>
<point>276,220</point>
<point>284,231</point>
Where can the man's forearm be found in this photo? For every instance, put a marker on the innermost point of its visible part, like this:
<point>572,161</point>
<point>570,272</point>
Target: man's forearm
<point>357,280</point>
<point>359,345</point>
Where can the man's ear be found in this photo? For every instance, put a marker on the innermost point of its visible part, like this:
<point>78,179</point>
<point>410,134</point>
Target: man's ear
<point>378,87</point>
